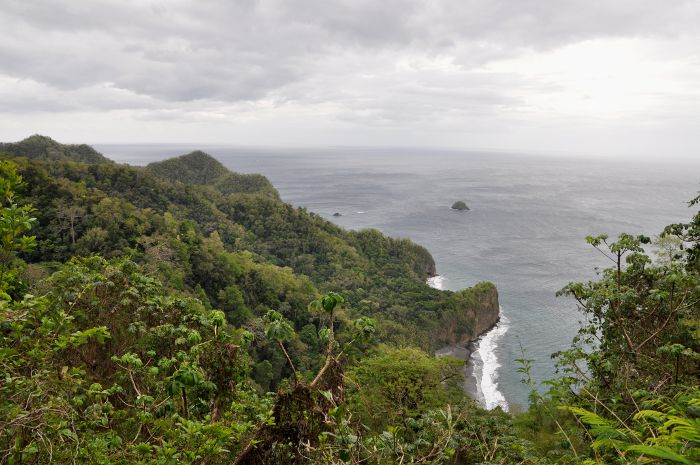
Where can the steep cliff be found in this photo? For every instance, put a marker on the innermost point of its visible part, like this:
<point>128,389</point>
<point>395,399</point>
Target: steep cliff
<point>470,313</point>
<point>487,309</point>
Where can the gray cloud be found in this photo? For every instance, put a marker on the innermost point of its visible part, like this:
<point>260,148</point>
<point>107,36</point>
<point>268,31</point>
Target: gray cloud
<point>389,62</point>
<point>224,50</point>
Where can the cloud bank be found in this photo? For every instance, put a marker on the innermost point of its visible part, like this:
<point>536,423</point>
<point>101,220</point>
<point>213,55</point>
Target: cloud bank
<point>616,76</point>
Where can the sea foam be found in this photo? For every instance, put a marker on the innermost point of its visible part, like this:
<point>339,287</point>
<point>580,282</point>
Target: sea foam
<point>484,359</point>
<point>486,365</point>
<point>437,282</point>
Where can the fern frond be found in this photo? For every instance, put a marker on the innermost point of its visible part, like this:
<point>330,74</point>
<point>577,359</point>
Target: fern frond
<point>654,415</point>
<point>659,452</point>
<point>590,419</point>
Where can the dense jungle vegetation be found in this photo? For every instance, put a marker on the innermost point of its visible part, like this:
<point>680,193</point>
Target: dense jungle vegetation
<point>182,313</point>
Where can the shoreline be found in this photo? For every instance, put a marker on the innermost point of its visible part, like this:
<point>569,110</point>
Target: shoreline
<point>473,385</point>
<point>464,352</point>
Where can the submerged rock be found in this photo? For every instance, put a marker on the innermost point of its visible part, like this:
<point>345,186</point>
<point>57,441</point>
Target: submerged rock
<point>337,214</point>
<point>459,205</point>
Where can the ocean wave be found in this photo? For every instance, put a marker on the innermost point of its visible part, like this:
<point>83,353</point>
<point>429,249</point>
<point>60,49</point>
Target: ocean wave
<point>437,282</point>
<point>486,365</point>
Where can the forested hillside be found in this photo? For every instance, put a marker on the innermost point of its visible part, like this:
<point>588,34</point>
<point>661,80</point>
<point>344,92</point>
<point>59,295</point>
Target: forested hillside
<point>181,313</point>
<point>38,147</point>
<point>203,229</point>
<point>200,168</point>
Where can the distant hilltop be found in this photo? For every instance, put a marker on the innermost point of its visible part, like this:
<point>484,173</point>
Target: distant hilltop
<point>193,168</point>
<point>202,169</point>
<point>39,147</point>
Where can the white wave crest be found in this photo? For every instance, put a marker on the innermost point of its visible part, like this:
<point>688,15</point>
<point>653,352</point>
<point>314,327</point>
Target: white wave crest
<point>437,282</point>
<point>486,365</point>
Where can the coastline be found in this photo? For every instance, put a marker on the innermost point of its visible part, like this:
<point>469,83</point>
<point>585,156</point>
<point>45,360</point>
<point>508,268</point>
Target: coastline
<point>465,352</point>
<point>480,362</point>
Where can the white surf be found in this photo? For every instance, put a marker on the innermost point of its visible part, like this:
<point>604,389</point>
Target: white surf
<point>484,359</point>
<point>437,282</point>
<point>486,365</point>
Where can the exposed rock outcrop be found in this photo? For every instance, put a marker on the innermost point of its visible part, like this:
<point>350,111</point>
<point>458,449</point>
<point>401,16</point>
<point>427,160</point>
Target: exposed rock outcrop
<point>459,205</point>
<point>471,312</point>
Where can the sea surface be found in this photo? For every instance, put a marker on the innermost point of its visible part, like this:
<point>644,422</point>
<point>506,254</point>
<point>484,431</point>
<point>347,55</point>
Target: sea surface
<point>525,231</point>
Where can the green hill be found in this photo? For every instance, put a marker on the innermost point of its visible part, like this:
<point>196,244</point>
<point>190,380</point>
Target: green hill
<point>202,169</point>
<point>39,147</point>
<point>195,168</point>
<point>201,228</point>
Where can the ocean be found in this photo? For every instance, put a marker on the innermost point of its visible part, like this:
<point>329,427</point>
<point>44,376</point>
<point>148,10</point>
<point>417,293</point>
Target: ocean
<point>525,231</point>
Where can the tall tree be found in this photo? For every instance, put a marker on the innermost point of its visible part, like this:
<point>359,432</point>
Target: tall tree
<point>15,220</point>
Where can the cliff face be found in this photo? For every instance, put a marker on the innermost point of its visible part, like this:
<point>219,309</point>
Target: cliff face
<point>471,312</point>
<point>488,310</point>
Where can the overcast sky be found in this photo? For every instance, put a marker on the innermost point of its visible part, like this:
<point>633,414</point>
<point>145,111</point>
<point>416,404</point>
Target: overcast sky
<point>615,76</point>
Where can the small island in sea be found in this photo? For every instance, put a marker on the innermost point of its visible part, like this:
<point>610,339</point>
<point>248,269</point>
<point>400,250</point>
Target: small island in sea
<point>459,205</point>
